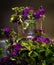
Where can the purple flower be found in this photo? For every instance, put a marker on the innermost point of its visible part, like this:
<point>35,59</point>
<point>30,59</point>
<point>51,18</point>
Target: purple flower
<point>14,53</point>
<point>5,59</point>
<point>16,47</point>
<point>6,31</point>
<point>40,39</point>
<point>37,14</point>
<point>26,10</point>
<point>25,14</point>
<point>47,40</point>
<point>42,10</point>
<point>43,39</point>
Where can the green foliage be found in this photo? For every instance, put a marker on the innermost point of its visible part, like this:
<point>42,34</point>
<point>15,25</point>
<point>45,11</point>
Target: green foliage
<point>15,9</point>
<point>38,53</point>
<point>32,52</point>
<point>1,56</point>
<point>44,52</point>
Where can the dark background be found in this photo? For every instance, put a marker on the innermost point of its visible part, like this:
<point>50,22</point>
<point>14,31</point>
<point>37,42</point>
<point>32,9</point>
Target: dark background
<point>5,13</point>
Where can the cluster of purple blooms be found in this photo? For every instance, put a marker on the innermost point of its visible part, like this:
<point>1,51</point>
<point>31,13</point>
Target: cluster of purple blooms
<point>28,13</point>
<point>38,39</point>
<point>6,31</point>
<point>7,61</point>
<point>41,39</point>
<point>15,49</point>
<point>39,12</point>
<point>36,14</point>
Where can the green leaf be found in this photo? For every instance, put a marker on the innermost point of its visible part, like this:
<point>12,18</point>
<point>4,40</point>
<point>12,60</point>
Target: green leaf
<point>1,54</point>
<point>33,54</point>
<point>43,45</point>
<point>47,52</point>
<point>12,58</point>
<point>26,45</point>
<point>39,50</point>
<point>15,9</point>
<point>43,62</point>
<point>47,46</point>
<point>29,54</point>
<point>25,25</point>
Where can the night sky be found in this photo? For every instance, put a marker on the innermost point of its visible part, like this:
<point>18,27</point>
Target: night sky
<point>5,13</point>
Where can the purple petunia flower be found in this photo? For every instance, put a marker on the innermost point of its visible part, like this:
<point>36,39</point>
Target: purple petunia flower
<point>47,40</point>
<point>37,14</point>
<point>17,47</point>
<point>42,10</point>
<point>25,14</point>
<point>26,10</point>
<point>40,39</point>
<point>13,46</point>
<point>5,59</point>
<point>43,39</point>
<point>6,31</point>
<point>14,53</point>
